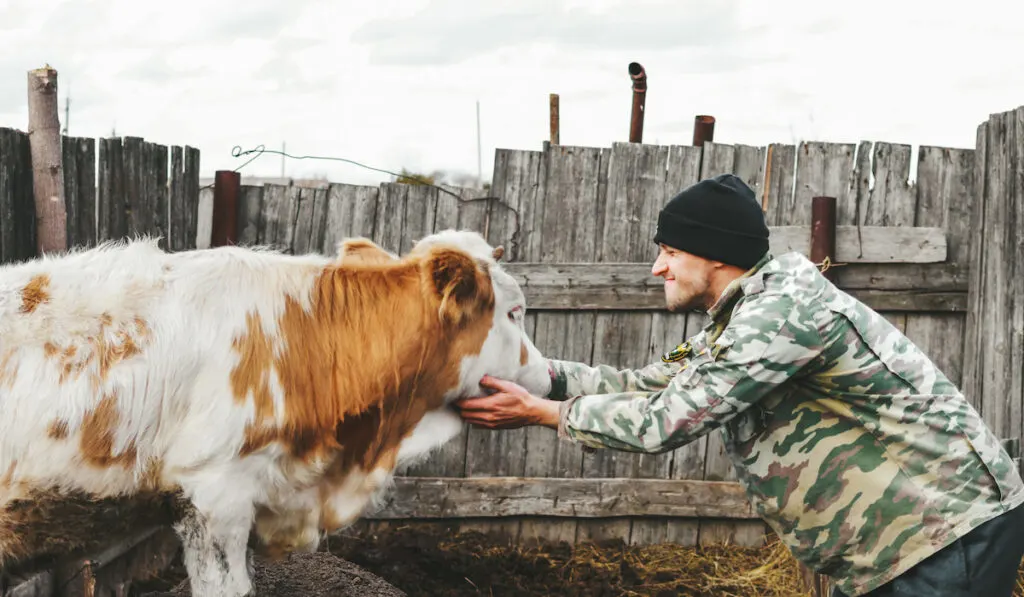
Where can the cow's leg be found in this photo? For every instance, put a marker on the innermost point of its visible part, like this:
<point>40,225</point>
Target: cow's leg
<point>215,550</point>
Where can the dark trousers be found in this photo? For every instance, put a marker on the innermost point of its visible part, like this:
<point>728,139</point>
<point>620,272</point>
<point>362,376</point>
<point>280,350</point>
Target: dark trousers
<point>982,563</point>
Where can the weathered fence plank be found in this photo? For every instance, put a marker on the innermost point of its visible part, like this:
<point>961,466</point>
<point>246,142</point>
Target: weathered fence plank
<point>944,198</point>
<point>79,159</point>
<point>351,212</point>
<point>604,499</point>
<point>994,348</point>
<point>17,203</point>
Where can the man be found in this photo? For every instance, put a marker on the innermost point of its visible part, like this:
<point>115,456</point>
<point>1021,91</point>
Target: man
<point>859,453</point>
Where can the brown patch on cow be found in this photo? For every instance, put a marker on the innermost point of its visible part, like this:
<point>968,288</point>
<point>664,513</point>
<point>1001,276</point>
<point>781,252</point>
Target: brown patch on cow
<point>524,355</point>
<point>253,371</point>
<point>258,437</point>
<point>35,293</point>
<point>57,430</point>
<point>379,347</point>
<point>110,345</point>
<point>121,347</point>
<point>97,436</point>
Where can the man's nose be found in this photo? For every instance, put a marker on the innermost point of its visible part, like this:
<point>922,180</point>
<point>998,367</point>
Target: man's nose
<point>658,268</point>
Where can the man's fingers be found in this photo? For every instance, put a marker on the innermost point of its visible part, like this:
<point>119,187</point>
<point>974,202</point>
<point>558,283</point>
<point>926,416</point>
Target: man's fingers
<point>475,403</point>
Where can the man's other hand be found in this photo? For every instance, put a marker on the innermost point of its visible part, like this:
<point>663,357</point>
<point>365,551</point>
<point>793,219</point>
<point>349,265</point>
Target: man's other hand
<point>509,407</point>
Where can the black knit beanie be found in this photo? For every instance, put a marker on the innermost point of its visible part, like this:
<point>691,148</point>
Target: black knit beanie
<point>717,218</point>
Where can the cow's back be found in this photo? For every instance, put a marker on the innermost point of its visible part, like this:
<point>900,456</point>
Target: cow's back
<point>114,362</point>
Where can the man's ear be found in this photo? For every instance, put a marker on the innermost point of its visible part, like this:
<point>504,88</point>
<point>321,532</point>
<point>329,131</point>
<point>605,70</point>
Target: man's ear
<point>362,251</point>
<point>459,283</point>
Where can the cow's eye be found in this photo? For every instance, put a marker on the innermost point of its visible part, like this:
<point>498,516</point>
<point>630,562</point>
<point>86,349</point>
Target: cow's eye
<point>513,313</point>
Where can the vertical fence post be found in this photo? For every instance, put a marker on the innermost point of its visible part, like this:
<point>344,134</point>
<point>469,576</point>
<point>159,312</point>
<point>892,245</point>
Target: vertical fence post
<point>226,187</point>
<point>555,125</point>
<point>703,129</point>
<point>823,232</point>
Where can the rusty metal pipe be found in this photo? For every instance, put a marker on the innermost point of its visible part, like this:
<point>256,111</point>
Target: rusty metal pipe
<point>636,121</point>
<point>703,129</point>
<point>823,233</point>
<point>553,118</point>
<point>226,188</point>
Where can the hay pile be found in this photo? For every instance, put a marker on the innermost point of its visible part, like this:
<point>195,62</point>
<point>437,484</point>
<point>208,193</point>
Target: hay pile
<point>433,563</point>
<point>429,562</point>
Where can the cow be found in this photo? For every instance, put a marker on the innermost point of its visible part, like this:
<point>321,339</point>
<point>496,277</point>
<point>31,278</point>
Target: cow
<point>276,394</point>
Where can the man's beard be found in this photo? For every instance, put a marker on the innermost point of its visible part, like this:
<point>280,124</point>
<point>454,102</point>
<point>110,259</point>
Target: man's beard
<point>692,303</point>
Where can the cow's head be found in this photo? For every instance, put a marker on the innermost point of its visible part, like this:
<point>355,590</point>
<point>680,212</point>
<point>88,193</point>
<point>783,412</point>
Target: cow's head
<point>465,268</point>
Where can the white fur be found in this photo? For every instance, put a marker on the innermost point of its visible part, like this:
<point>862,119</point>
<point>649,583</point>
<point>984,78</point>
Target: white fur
<point>175,400</point>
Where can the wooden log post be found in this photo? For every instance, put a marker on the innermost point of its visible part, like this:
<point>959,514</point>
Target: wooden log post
<point>823,234</point>
<point>47,161</point>
<point>554,123</point>
<point>226,188</point>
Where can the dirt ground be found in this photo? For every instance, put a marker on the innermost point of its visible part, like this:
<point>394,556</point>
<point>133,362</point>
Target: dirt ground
<point>300,575</point>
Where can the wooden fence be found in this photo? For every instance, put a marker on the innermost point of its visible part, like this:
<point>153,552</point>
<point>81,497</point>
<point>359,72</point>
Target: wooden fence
<point>114,188</point>
<point>939,258</point>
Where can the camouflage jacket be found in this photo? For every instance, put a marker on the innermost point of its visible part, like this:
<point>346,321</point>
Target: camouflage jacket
<point>851,444</point>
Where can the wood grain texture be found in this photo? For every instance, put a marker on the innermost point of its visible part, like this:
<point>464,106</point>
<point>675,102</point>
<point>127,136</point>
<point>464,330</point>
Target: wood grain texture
<point>80,190</point>
<point>577,498</point>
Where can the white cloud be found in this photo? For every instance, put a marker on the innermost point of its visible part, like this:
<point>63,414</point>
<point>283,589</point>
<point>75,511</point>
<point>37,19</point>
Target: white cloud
<point>395,84</point>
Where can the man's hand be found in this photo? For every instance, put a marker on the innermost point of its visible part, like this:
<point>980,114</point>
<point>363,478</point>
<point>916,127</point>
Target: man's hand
<point>511,406</point>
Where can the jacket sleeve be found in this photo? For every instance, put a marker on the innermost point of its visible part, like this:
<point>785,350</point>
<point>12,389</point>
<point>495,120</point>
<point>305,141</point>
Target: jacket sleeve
<point>769,340</point>
<point>570,378</point>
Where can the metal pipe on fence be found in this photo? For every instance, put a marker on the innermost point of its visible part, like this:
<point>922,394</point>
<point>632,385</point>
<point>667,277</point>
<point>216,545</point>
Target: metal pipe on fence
<point>703,129</point>
<point>636,121</point>
<point>226,188</point>
<point>823,233</point>
<point>554,118</point>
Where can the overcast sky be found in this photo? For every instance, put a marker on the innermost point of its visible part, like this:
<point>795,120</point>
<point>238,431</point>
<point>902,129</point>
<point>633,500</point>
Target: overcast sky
<point>396,85</point>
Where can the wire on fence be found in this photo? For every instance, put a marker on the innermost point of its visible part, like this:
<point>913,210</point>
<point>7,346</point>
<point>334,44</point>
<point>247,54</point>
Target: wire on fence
<point>261,149</point>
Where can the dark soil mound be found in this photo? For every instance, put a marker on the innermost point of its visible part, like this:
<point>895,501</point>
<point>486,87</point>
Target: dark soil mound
<point>317,574</point>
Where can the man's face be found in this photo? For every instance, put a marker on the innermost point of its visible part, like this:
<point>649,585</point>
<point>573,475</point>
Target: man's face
<point>687,278</point>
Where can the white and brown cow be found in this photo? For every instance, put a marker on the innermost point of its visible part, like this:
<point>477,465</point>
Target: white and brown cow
<point>273,392</point>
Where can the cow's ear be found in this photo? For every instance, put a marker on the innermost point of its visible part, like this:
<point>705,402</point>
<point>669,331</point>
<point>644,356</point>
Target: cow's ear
<point>460,284</point>
<point>498,253</point>
<point>362,251</point>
